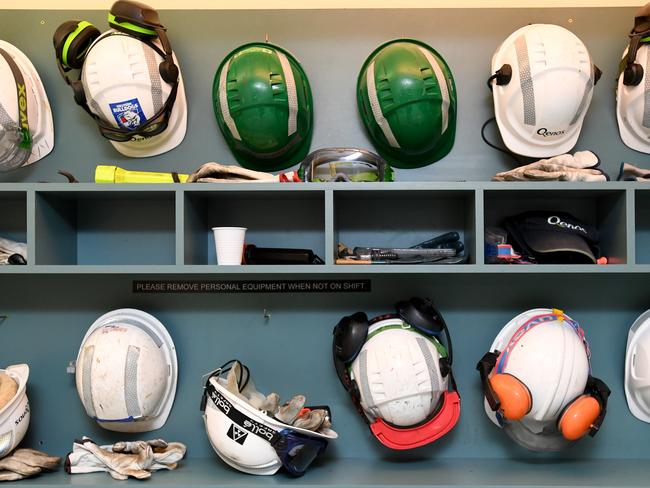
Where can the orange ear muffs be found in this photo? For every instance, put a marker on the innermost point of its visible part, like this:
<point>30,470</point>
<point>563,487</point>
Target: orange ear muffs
<point>514,397</point>
<point>578,417</point>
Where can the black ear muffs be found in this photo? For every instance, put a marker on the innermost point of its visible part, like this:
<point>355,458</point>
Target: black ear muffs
<point>71,42</point>
<point>633,72</point>
<point>143,22</point>
<point>502,76</point>
<point>350,335</point>
<point>421,314</point>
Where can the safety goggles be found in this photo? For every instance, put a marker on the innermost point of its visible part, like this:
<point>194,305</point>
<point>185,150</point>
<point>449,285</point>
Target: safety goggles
<point>345,164</point>
<point>297,451</point>
<point>152,127</point>
<point>15,140</point>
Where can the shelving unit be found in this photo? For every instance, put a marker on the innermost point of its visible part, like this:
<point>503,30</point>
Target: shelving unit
<point>161,229</point>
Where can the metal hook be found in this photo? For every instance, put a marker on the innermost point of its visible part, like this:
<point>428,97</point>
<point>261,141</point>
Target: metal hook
<point>266,37</point>
<point>267,314</point>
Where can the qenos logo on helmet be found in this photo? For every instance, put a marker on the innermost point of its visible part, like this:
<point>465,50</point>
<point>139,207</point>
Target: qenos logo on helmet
<point>558,222</point>
<point>544,132</point>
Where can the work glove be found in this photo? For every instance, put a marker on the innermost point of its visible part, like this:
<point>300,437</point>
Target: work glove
<point>124,459</point>
<point>629,172</point>
<point>8,389</point>
<point>292,412</point>
<point>12,252</point>
<point>220,173</point>
<point>24,463</point>
<point>582,166</point>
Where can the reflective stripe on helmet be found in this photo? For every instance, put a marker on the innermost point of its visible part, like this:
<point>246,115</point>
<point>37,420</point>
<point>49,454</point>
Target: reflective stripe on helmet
<point>363,381</point>
<point>86,368</point>
<point>131,383</point>
<point>431,365</point>
<point>585,96</point>
<point>223,102</point>
<point>292,95</point>
<point>646,109</point>
<point>376,108</point>
<point>154,77</point>
<point>444,89</point>
<point>526,80</point>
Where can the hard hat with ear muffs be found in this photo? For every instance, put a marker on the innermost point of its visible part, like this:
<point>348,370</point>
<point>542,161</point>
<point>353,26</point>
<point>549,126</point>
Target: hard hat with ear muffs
<point>140,109</point>
<point>542,85</point>
<point>398,373</point>
<point>537,381</point>
<point>633,94</point>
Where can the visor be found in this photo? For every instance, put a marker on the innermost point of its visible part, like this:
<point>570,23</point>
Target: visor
<point>344,164</point>
<point>296,450</point>
<point>408,438</point>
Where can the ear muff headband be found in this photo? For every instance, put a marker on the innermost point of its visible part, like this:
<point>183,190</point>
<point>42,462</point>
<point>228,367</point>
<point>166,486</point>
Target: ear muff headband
<point>130,28</point>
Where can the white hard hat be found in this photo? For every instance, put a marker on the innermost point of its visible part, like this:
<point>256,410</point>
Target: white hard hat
<point>540,102</point>
<point>637,368</point>
<point>14,416</point>
<point>12,118</point>
<point>248,439</point>
<point>126,371</point>
<point>633,105</point>
<point>551,358</point>
<point>398,374</point>
<point>126,94</point>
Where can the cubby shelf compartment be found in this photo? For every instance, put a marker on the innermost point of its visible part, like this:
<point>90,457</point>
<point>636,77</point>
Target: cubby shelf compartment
<point>605,209</point>
<point>456,473</point>
<point>403,218</point>
<point>105,227</point>
<point>289,219</point>
<point>642,225</point>
<point>13,215</point>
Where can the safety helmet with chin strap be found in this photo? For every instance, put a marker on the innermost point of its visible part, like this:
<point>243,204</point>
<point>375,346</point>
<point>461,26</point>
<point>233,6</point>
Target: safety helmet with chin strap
<point>537,381</point>
<point>398,373</point>
<point>542,84</point>
<point>26,125</point>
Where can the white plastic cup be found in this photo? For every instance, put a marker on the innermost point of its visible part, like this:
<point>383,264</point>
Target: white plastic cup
<point>229,242</point>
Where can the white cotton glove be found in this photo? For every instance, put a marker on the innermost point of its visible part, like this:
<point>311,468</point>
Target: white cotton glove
<point>581,166</point>
<point>23,463</point>
<point>9,247</point>
<point>124,459</point>
<point>220,173</point>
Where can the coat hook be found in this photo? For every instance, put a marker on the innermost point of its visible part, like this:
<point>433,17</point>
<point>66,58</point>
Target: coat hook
<point>266,37</point>
<point>267,314</point>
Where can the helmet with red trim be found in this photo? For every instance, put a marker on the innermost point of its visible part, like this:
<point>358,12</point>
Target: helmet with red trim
<point>398,373</point>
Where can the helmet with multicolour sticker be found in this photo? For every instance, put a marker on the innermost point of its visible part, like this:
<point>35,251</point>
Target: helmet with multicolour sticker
<point>407,100</point>
<point>263,105</point>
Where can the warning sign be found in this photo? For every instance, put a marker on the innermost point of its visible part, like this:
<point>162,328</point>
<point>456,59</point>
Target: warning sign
<point>251,286</point>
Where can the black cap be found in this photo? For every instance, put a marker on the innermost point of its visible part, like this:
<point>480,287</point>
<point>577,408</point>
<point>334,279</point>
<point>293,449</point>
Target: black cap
<point>553,237</point>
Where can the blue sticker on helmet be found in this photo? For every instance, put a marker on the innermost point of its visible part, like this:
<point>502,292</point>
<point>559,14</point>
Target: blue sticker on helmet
<point>128,114</point>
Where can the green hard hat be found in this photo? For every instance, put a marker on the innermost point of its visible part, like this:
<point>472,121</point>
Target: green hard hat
<point>263,104</point>
<point>407,99</point>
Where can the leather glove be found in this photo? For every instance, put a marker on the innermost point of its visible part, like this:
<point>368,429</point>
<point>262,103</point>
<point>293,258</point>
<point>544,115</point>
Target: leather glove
<point>629,172</point>
<point>220,173</point>
<point>124,459</point>
<point>23,463</point>
<point>582,166</point>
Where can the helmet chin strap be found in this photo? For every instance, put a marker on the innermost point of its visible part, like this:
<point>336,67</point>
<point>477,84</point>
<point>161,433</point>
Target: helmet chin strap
<point>412,437</point>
